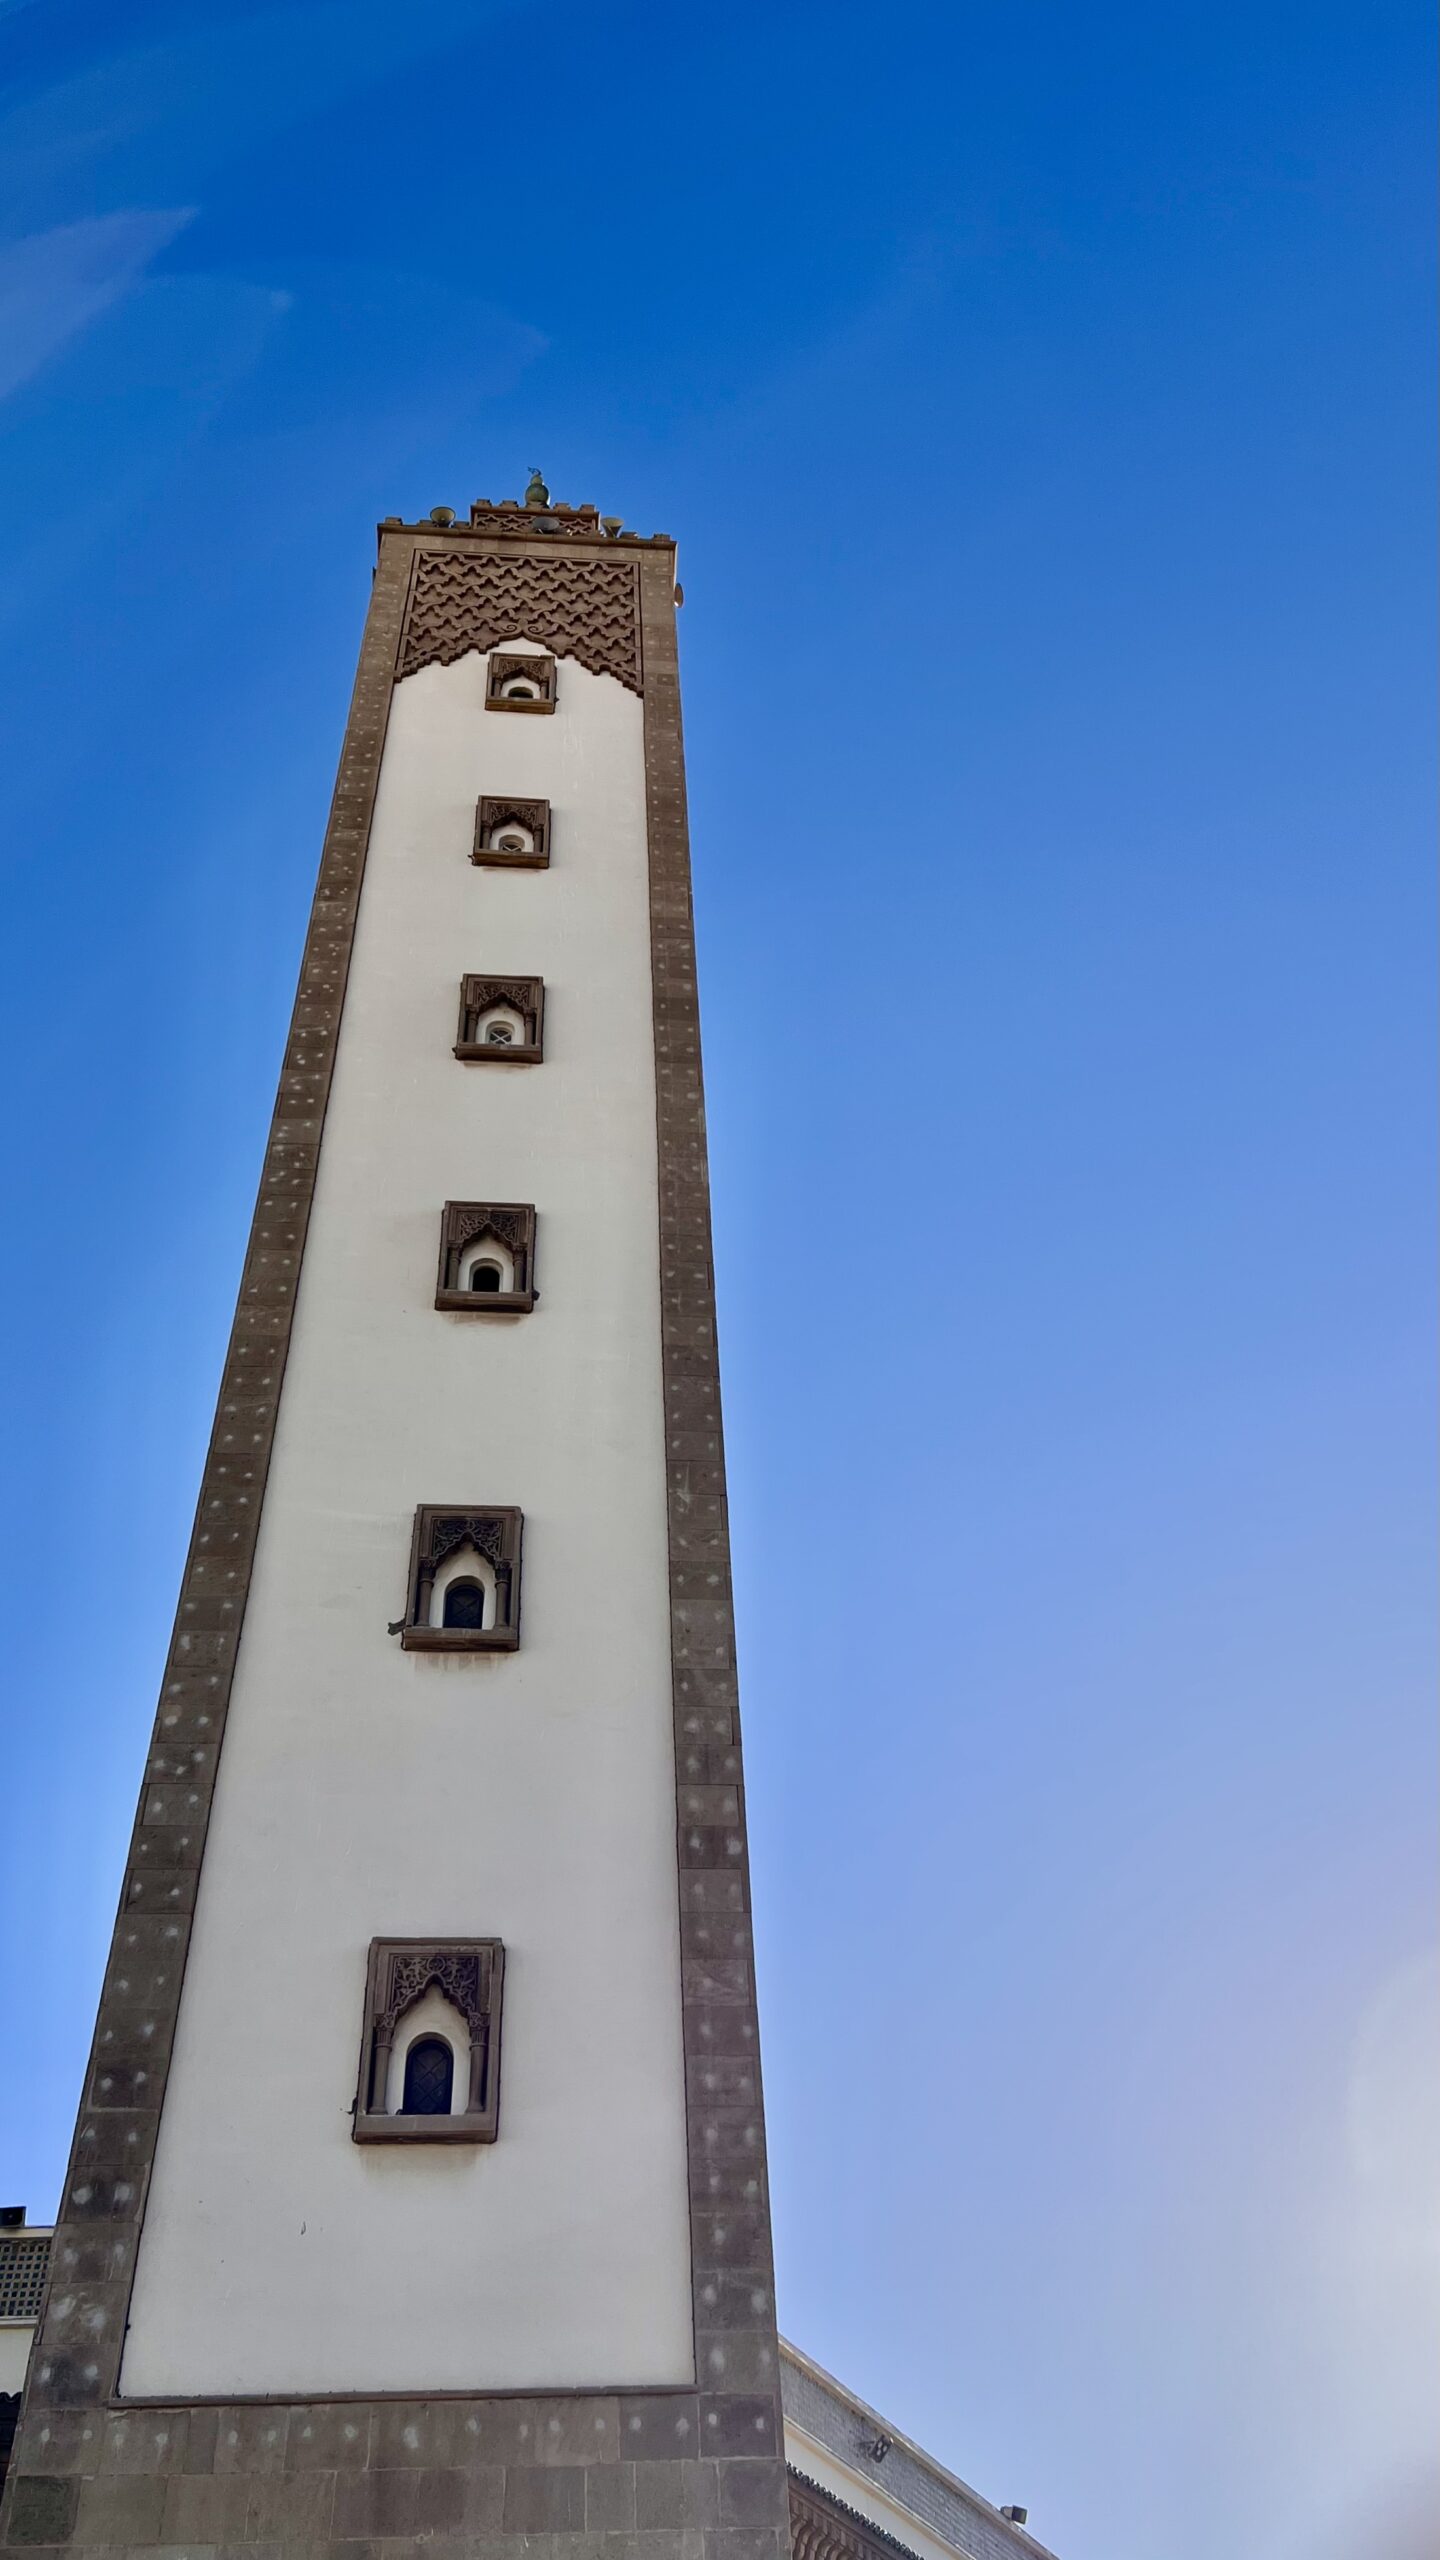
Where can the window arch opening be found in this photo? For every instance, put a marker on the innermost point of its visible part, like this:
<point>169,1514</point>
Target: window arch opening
<point>463,1596</point>
<point>427,2068</point>
<point>501,1027</point>
<point>464,1605</point>
<point>429,2078</point>
<point>487,1266</point>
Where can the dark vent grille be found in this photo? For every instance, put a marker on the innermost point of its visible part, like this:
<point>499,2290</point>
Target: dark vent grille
<point>22,2275</point>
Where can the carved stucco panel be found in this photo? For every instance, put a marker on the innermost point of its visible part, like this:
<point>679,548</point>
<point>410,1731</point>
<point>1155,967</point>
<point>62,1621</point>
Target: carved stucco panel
<point>586,609</point>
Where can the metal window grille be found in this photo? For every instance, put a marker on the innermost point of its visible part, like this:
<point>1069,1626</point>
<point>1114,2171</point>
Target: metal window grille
<point>22,2275</point>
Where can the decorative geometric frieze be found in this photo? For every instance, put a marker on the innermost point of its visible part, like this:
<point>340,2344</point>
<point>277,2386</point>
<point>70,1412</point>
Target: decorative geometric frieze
<point>464,1591</point>
<point>509,516</point>
<point>487,1258</point>
<point>520,684</point>
<point>581,606</point>
<point>510,834</point>
<point>823,2528</point>
<point>469,1973</point>
<point>502,1022</point>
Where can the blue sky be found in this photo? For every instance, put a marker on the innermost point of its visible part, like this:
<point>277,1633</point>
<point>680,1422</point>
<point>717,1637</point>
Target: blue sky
<point>1038,396</point>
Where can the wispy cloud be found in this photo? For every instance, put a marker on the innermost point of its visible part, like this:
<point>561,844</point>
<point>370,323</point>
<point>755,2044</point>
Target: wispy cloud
<point>54,283</point>
<point>211,86</point>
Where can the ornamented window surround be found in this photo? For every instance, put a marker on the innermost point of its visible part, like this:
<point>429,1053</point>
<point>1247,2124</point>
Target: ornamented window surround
<point>512,1223</point>
<point>526,996</point>
<point>494,1530</point>
<point>532,815</point>
<point>539,671</point>
<point>470,1974</point>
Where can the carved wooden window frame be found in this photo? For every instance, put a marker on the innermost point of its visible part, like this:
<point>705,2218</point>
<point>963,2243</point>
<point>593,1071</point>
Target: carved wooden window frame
<point>470,1973</point>
<point>498,672</point>
<point>499,811</point>
<point>494,1529</point>
<point>512,1223</point>
<point>525,996</point>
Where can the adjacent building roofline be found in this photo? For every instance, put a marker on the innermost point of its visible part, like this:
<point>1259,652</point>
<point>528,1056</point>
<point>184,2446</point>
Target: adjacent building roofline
<point>877,2426</point>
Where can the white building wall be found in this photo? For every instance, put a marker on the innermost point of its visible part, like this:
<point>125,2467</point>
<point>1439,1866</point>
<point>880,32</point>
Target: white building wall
<point>364,1791</point>
<point>15,2337</point>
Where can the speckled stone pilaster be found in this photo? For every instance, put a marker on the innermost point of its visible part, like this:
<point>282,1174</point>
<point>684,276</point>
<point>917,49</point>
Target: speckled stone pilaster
<point>735,2343</point>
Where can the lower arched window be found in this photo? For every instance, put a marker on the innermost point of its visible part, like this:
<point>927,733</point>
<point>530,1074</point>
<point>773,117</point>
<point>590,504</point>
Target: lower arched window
<point>464,1605</point>
<point>487,1277</point>
<point>430,2063</point>
<point>429,2077</point>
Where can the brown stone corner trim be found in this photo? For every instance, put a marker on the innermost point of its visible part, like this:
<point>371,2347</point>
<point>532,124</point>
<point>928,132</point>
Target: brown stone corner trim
<point>729,2190</point>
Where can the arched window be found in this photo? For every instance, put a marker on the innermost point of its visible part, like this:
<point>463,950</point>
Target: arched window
<point>465,1565</point>
<point>520,683</point>
<point>464,1605</point>
<point>430,2065</point>
<point>508,830</point>
<point>429,2077</point>
<point>501,1017</point>
<point>487,1258</point>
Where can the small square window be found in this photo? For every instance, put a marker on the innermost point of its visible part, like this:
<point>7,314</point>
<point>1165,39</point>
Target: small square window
<point>464,1594</point>
<point>487,1258</point>
<point>520,684</point>
<point>512,835</point>
<point>430,2056</point>
<point>502,1021</point>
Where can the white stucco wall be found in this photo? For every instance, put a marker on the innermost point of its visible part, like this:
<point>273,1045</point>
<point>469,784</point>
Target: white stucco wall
<point>364,1791</point>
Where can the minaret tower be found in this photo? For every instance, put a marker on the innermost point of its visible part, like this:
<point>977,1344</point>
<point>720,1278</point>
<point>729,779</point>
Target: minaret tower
<point>418,2191</point>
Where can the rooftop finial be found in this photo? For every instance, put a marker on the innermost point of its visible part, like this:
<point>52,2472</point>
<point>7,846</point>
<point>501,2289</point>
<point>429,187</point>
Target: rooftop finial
<point>537,495</point>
